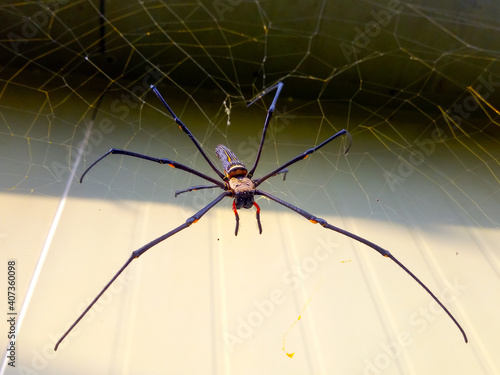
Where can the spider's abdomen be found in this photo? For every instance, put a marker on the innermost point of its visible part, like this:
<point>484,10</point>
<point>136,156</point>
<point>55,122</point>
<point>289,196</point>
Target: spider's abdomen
<point>232,166</point>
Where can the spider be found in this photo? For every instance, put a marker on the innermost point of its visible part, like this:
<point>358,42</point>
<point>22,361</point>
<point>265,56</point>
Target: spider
<point>236,182</point>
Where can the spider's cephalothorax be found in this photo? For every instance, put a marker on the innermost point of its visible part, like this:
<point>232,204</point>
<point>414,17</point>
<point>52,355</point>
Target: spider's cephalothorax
<point>243,189</point>
<point>238,183</point>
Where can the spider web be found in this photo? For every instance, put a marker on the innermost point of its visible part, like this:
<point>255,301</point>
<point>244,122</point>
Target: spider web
<point>414,83</point>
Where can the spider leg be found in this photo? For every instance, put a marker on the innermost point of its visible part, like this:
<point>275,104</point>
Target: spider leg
<point>237,217</point>
<point>170,163</point>
<point>195,188</point>
<point>257,215</point>
<point>137,253</point>
<point>304,155</point>
<point>283,171</point>
<point>187,131</point>
<point>270,112</point>
<point>316,220</point>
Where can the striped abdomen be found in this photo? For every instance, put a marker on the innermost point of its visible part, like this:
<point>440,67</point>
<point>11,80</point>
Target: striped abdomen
<point>232,166</point>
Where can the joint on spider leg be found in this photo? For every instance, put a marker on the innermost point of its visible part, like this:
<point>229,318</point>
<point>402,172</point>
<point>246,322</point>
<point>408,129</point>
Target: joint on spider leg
<point>179,192</point>
<point>317,220</point>
<point>191,220</point>
<point>137,253</point>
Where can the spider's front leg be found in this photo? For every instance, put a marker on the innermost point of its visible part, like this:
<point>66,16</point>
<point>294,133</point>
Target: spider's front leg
<point>237,217</point>
<point>163,161</point>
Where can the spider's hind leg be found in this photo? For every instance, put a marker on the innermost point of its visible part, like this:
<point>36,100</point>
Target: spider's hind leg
<point>316,220</point>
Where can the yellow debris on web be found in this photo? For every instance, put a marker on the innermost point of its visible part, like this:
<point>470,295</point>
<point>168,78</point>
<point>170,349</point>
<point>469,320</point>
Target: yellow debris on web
<point>290,355</point>
<point>287,332</point>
